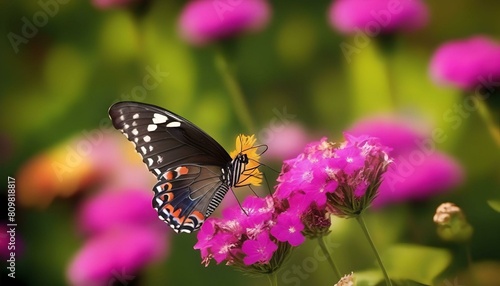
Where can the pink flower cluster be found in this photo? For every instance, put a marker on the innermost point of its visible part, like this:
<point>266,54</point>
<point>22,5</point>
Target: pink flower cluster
<point>341,178</point>
<point>244,236</point>
<point>325,179</point>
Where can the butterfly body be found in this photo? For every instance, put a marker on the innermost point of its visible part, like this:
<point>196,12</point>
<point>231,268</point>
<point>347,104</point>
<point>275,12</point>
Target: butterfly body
<point>194,172</point>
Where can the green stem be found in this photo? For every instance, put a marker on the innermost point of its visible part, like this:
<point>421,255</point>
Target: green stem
<point>469,263</point>
<point>469,256</point>
<point>273,279</point>
<point>389,74</point>
<point>234,90</point>
<point>362,224</point>
<point>387,47</point>
<point>322,244</point>
<point>488,118</point>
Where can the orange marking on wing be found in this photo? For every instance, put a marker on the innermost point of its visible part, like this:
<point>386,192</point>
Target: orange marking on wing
<point>167,185</point>
<point>169,175</point>
<point>167,197</point>
<point>176,214</point>
<point>182,170</point>
<point>169,208</point>
<point>198,215</point>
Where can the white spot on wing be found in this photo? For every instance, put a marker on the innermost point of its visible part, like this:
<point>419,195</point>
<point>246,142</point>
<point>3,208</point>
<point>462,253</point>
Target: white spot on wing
<point>122,117</point>
<point>160,159</point>
<point>136,140</point>
<point>135,116</point>
<point>135,132</point>
<point>152,127</point>
<point>150,148</point>
<point>150,162</point>
<point>159,118</point>
<point>159,201</point>
<point>157,171</point>
<point>143,149</point>
<point>126,126</point>
<point>134,123</point>
<point>147,138</point>
<point>174,124</point>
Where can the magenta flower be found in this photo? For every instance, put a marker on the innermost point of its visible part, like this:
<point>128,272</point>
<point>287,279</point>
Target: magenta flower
<point>223,247</point>
<point>205,21</point>
<point>288,228</point>
<point>358,183</point>
<point>469,64</point>
<point>258,250</point>
<point>242,237</point>
<point>374,17</point>
<point>205,238</point>
<point>298,175</point>
<point>124,235</point>
<point>419,170</point>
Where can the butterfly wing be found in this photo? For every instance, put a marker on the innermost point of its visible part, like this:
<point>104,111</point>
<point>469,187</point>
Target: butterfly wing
<point>186,195</point>
<point>189,164</point>
<point>165,139</point>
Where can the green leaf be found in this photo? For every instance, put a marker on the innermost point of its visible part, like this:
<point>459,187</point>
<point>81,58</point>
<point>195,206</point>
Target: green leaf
<point>494,204</point>
<point>402,282</point>
<point>415,262</point>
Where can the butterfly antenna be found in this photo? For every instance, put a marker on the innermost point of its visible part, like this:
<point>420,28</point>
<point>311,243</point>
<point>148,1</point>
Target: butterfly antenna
<point>250,186</point>
<point>267,183</point>
<point>238,200</point>
<point>267,166</point>
<point>264,148</point>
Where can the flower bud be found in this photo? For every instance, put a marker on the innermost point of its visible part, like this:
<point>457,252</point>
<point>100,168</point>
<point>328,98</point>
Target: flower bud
<point>347,280</point>
<point>452,224</point>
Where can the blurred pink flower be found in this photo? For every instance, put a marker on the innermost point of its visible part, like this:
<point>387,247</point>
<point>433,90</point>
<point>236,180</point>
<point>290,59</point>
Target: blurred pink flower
<point>117,254</point>
<point>110,209</point>
<point>377,16</point>
<point>4,242</point>
<point>106,4</point>
<point>286,141</point>
<point>468,64</point>
<point>204,21</point>
<point>419,170</point>
<point>124,236</point>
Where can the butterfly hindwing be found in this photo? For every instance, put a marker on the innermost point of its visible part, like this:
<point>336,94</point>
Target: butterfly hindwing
<point>186,195</point>
<point>165,139</point>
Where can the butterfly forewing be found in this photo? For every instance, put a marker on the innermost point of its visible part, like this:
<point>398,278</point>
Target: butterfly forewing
<point>165,139</point>
<point>191,167</point>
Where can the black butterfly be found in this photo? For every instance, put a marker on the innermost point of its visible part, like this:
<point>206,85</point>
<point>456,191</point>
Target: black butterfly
<point>194,172</point>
